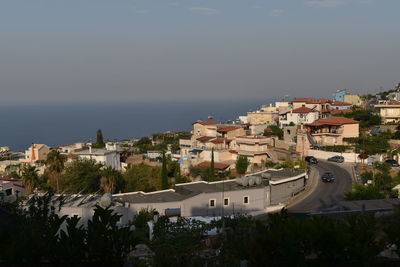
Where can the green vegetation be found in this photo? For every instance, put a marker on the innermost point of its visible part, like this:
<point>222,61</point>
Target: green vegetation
<point>370,145</point>
<point>142,177</point>
<point>212,168</point>
<point>274,130</point>
<point>280,240</point>
<point>242,163</point>
<point>55,165</point>
<point>34,238</point>
<point>365,117</point>
<point>111,180</point>
<point>30,178</point>
<point>164,177</point>
<point>99,140</point>
<point>363,192</point>
<point>82,175</point>
<point>335,148</point>
<point>380,186</point>
<point>160,142</point>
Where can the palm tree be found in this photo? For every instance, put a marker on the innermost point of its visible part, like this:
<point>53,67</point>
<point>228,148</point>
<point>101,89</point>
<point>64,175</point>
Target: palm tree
<point>55,162</point>
<point>110,180</point>
<point>30,178</point>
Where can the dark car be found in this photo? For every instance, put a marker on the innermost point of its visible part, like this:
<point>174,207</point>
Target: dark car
<point>311,160</point>
<point>338,159</point>
<point>328,177</point>
<point>392,162</point>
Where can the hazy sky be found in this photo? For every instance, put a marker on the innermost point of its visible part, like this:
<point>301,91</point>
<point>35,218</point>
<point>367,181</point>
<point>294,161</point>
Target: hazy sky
<point>145,50</point>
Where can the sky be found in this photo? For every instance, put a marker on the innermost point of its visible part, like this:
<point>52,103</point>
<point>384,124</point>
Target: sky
<point>73,51</point>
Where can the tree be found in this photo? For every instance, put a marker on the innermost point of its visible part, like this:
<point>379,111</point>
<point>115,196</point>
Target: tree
<point>164,174</point>
<point>111,180</point>
<point>55,162</point>
<point>241,164</point>
<point>83,175</point>
<point>212,167</point>
<point>274,130</point>
<point>30,178</point>
<point>99,140</point>
<point>142,177</point>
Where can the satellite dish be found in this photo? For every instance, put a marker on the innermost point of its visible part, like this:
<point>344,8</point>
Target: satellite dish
<point>106,200</point>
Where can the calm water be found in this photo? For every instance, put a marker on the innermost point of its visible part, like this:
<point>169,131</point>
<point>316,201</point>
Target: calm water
<point>55,125</point>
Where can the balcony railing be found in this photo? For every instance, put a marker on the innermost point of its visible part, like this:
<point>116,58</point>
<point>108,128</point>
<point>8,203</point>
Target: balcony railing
<point>326,131</point>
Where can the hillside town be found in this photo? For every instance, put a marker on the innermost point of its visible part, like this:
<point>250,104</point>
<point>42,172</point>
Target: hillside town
<point>255,165</point>
<point>283,133</point>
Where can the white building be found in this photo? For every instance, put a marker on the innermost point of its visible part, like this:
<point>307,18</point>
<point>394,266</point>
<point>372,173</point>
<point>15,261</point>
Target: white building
<point>103,156</point>
<point>153,154</point>
<point>301,115</point>
<point>11,189</point>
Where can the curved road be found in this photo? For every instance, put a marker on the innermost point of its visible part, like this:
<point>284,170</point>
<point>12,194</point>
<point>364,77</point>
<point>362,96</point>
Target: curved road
<point>324,195</point>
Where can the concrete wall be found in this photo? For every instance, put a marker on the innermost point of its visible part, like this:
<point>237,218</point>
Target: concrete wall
<point>199,205</point>
<point>351,130</point>
<point>281,193</point>
<point>204,130</point>
<point>261,117</point>
<point>319,154</point>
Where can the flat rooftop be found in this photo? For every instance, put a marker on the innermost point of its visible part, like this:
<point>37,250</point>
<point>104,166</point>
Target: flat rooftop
<point>188,190</point>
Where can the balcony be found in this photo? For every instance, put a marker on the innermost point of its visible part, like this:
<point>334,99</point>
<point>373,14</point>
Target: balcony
<point>325,131</point>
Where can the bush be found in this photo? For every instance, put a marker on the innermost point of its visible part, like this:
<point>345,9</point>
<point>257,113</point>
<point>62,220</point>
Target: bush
<point>362,192</point>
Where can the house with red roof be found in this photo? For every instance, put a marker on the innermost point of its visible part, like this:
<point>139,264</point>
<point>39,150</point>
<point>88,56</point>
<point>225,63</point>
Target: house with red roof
<point>298,116</point>
<point>231,132</point>
<point>339,105</point>
<point>205,128</point>
<point>331,131</point>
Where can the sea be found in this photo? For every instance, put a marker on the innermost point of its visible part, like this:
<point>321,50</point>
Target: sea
<point>60,124</point>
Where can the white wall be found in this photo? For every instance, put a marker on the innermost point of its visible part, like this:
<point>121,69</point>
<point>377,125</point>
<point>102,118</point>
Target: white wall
<point>319,154</point>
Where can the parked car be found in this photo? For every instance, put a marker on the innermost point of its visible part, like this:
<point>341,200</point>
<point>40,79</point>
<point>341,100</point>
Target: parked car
<point>392,162</point>
<point>311,160</point>
<point>328,177</point>
<point>338,159</point>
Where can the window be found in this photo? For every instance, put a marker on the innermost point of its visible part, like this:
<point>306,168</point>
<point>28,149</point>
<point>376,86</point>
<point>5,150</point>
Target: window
<point>8,192</point>
<point>211,203</point>
<point>226,201</point>
<point>246,200</point>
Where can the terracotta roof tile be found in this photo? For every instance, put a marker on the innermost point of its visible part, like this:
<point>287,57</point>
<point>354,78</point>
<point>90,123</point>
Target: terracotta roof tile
<point>339,103</point>
<point>205,138</point>
<point>228,129</point>
<point>218,140</point>
<point>333,121</point>
<point>206,122</point>
<point>302,110</point>
<point>310,100</point>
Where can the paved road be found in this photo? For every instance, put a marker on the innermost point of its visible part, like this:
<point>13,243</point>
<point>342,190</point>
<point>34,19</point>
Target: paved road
<point>325,195</point>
